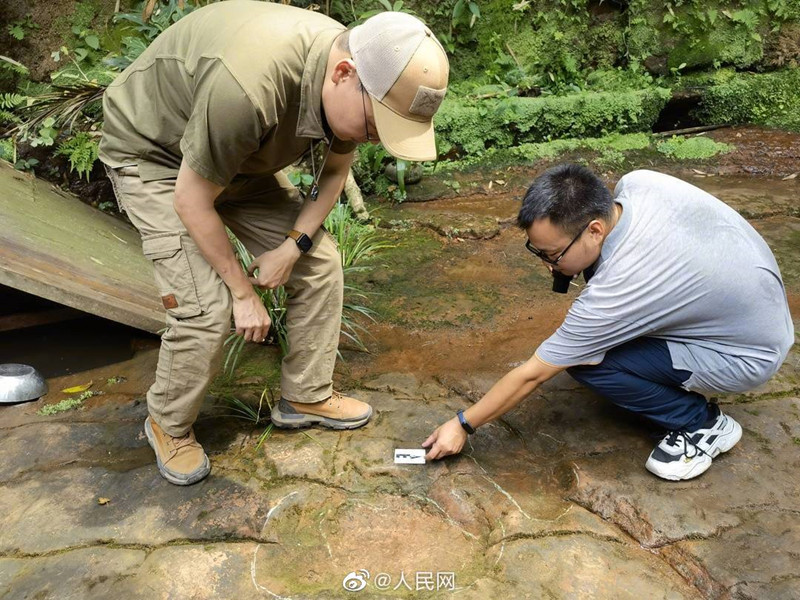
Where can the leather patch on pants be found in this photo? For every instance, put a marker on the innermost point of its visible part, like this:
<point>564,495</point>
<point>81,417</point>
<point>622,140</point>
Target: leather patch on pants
<point>169,301</point>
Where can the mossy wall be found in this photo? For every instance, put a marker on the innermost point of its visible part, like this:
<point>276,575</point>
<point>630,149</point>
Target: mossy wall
<point>468,128</point>
<point>771,99</point>
<point>564,39</point>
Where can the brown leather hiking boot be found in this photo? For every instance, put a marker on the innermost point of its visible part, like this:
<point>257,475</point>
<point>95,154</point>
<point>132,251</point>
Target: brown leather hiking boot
<point>181,460</point>
<point>337,412</point>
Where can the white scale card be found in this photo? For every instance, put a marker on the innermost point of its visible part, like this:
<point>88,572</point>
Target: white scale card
<point>409,456</point>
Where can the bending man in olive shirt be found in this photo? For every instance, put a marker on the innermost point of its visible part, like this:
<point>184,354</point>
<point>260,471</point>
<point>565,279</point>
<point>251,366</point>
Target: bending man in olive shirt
<point>196,132</point>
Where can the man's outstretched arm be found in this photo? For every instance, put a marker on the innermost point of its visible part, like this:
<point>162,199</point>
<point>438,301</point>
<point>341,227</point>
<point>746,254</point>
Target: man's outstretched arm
<point>449,438</point>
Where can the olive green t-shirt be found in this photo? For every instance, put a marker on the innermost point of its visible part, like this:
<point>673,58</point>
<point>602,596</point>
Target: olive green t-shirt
<point>233,88</point>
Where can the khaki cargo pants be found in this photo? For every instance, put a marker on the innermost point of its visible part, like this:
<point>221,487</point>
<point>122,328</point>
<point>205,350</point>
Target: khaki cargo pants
<point>259,211</point>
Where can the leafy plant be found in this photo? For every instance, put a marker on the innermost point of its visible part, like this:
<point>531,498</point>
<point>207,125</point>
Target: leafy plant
<point>465,11</point>
<point>246,411</point>
<point>81,150</point>
<point>60,107</point>
<point>357,242</point>
<point>148,29</point>
<point>275,303</point>
<point>19,29</point>
<point>369,171</point>
<point>388,6</point>
<point>9,102</point>
<point>162,17</point>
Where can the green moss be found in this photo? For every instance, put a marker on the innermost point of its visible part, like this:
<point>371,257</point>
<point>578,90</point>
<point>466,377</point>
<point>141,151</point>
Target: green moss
<point>612,147</point>
<point>472,127</point>
<point>66,404</point>
<point>692,148</point>
<point>771,99</point>
<point>7,149</point>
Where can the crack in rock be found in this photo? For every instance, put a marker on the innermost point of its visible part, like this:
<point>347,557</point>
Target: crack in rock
<point>147,548</point>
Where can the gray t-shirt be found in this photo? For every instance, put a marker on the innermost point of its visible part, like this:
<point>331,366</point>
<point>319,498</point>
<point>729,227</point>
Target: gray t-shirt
<point>681,266</point>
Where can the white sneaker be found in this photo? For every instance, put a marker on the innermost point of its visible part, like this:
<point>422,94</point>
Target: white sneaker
<point>687,454</point>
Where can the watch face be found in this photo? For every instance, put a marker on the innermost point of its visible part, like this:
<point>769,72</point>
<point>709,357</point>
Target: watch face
<point>304,243</point>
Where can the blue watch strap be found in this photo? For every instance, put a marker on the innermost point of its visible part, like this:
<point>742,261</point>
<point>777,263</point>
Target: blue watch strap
<point>464,423</point>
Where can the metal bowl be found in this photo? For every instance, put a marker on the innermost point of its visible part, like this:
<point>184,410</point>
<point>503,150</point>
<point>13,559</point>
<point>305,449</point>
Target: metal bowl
<point>20,383</point>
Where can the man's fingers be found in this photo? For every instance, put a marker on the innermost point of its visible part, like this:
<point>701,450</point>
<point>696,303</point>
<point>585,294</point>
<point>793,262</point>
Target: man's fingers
<point>430,440</point>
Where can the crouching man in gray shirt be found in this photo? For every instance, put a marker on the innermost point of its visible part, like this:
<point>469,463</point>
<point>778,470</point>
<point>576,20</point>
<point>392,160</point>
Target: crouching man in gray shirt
<point>683,299</point>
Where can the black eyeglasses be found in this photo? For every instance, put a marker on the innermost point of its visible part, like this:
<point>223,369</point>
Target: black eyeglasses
<point>553,261</point>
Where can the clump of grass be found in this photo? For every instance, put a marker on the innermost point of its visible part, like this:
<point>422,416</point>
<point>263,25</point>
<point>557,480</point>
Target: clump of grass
<point>692,148</point>
<point>67,404</point>
<point>246,411</point>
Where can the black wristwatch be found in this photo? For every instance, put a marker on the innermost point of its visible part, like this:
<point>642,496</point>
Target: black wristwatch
<point>301,239</point>
<point>464,423</point>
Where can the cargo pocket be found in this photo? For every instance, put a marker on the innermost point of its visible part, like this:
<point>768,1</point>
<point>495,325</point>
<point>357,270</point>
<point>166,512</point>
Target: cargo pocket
<point>173,274</point>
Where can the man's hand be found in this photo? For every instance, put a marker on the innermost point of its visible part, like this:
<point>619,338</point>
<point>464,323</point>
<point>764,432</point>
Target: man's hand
<point>448,439</point>
<point>275,266</point>
<point>251,318</point>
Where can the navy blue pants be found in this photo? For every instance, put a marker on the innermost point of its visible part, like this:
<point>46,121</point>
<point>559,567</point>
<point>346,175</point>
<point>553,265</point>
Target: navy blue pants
<point>639,377</point>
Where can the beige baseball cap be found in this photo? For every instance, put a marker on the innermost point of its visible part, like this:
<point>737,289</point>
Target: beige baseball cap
<point>404,69</point>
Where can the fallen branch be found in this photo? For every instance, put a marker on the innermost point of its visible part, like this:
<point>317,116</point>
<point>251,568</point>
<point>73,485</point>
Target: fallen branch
<point>688,130</point>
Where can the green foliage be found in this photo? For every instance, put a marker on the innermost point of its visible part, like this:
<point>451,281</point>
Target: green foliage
<point>701,33</point>
<point>8,150</point>
<point>301,180</point>
<point>19,29</point>
<point>81,150</point>
<point>385,6</point>
<point>357,241</point>
<point>9,102</point>
<point>11,72</point>
<point>84,13</point>
<point>465,12</point>
<point>471,128</point>
<point>771,99</point>
<point>132,46</point>
<point>67,404</point>
<point>64,107</point>
<point>368,171</point>
<point>275,303</point>
<point>26,164</point>
<point>694,148</point>
<point>611,146</point>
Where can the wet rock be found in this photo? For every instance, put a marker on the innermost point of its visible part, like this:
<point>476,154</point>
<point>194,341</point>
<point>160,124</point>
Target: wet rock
<point>755,556</point>
<point>322,535</point>
<point>45,446</point>
<point>399,383</point>
<point>656,65</point>
<point>90,573</point>
<point>61,511</point>
<point>464,227</point>
<point>194,571</point>
<point>580,566</point>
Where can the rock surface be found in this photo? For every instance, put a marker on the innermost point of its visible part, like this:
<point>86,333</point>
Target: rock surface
<point>551,501</point>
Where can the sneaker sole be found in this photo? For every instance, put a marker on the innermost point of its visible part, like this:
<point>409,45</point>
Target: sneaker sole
<point>695,471</point>
<point>300,421</point>
<point>200,473</point>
